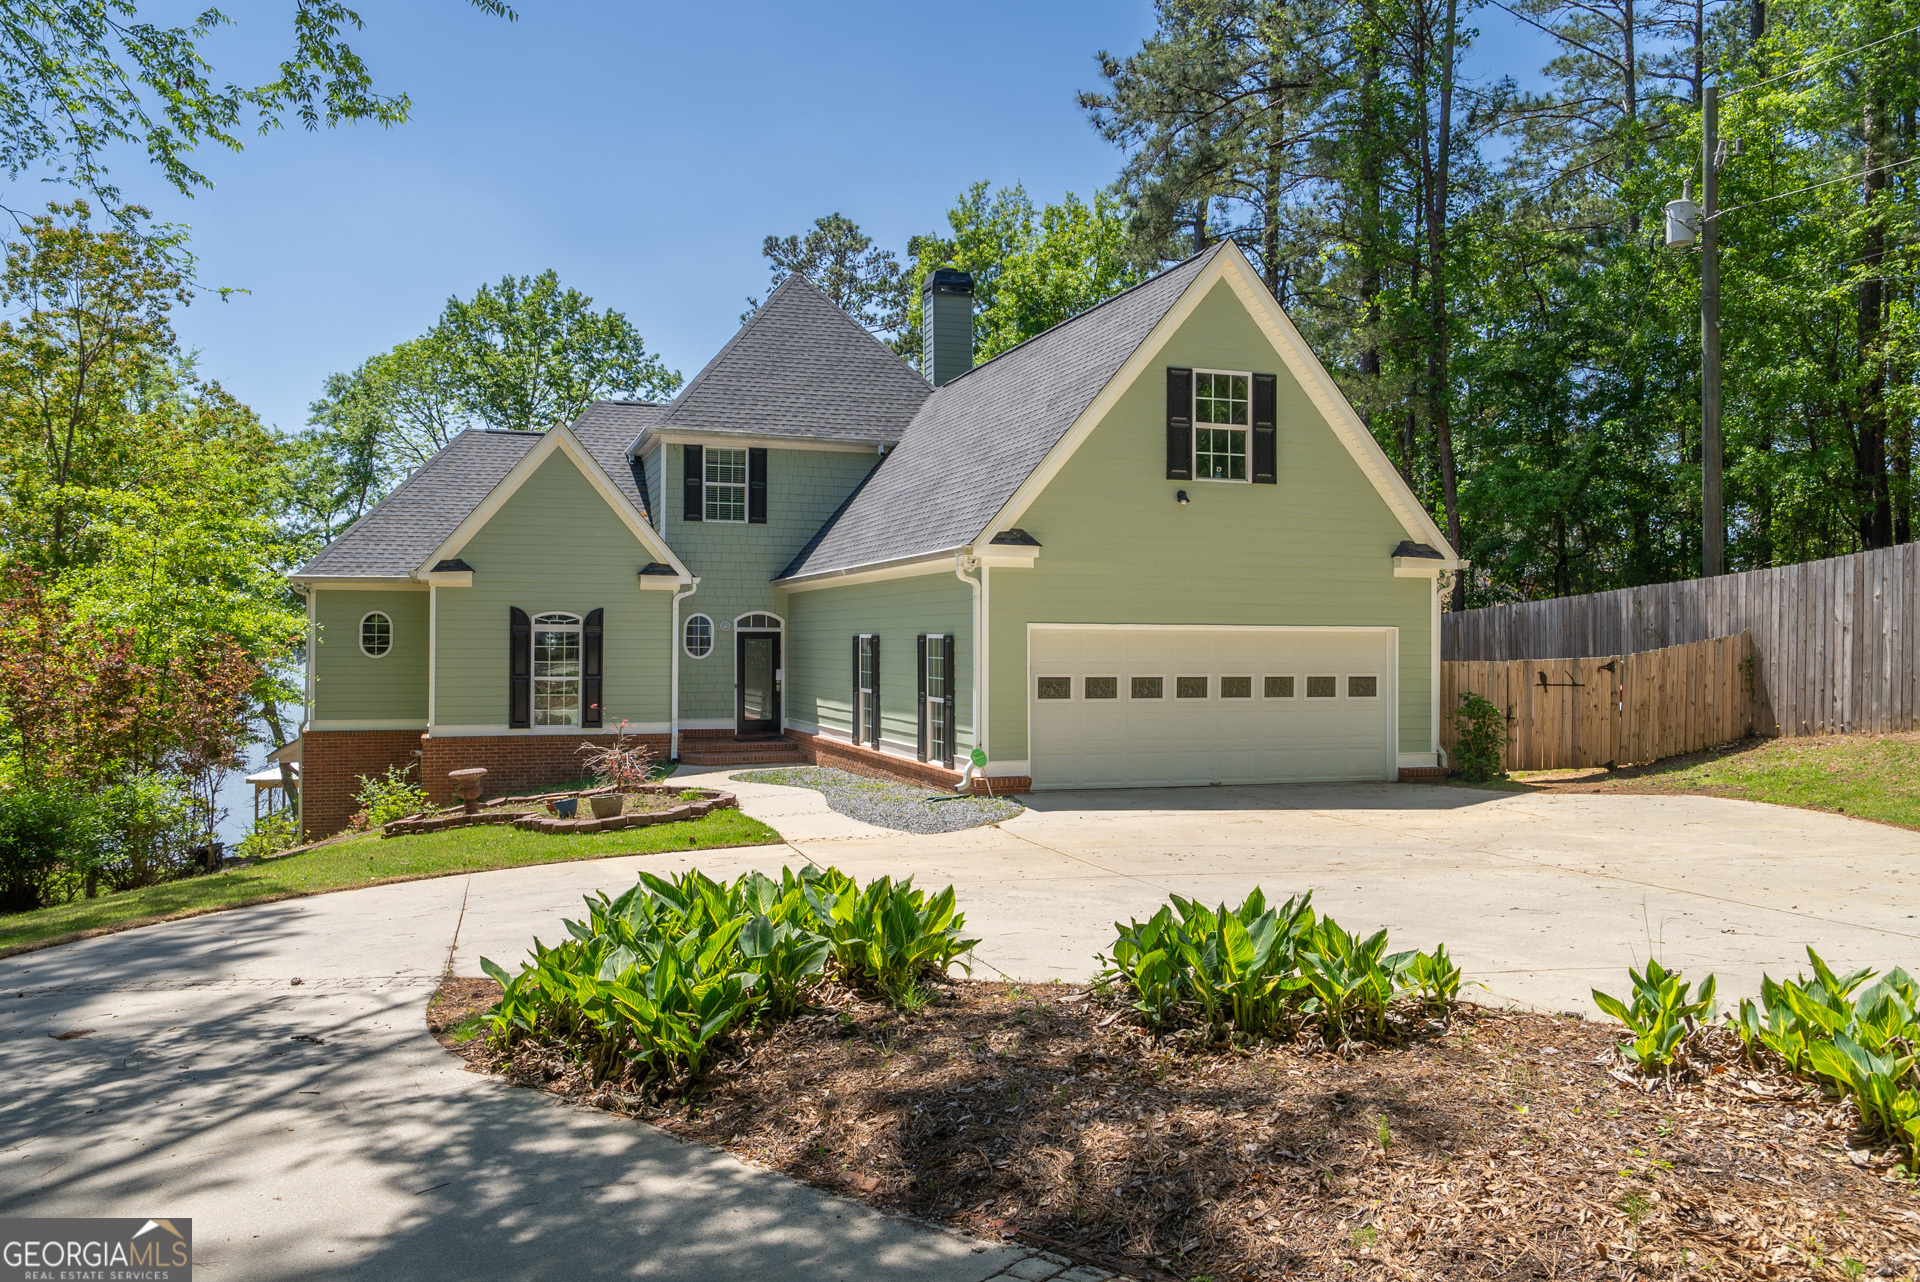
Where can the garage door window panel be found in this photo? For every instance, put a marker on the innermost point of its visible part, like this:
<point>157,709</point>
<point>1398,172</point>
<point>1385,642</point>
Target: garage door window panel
<point>1101,688</point>
<point>1363,687</point>
<point>1277,687</point>
<point>1236,687</point>
<point>1054,688</point>
<point>1323,687</point>
<point>1146,687</point>
<point>1190,687</point>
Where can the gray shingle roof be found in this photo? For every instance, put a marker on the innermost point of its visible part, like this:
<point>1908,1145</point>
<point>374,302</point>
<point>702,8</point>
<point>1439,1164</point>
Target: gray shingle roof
<point>801,367</point>
<point>608,429</point>
<point>407,526</point>
<point>977,438</point>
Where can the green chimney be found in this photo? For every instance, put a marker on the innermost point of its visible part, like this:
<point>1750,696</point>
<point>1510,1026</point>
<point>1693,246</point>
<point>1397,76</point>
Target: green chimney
<point>946,316</point>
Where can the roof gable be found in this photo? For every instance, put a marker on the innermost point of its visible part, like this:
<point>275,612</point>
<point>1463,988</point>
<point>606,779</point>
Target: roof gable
<point>980,435</point>
<point>400,533</point>
<point>986,444</point>
<point>801,367</point>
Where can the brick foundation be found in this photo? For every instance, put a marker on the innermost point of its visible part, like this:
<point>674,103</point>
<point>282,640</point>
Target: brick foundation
<point>517,762</point>
<point>825,751</point>
<point>1423,774</point>
<point>331,765</point>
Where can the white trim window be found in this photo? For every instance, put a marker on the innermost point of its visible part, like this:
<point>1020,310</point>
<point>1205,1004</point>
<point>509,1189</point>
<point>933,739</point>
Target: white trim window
<point>1222,418</point>
<point>376,634</point>
<point>556,670</point>
<point>698,636</point>
<point>725,494</point>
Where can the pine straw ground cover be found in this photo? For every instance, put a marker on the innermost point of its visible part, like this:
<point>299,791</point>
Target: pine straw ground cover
<point>1503,1146</point>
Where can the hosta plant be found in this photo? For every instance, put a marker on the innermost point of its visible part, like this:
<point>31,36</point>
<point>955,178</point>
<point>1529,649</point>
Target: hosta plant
<point>1663,1013</point>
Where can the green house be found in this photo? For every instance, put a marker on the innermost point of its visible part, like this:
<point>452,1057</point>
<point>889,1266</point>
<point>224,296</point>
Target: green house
<point>1151,546</point>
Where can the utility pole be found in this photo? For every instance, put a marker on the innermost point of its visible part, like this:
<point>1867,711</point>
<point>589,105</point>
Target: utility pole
<point>1713,518</point>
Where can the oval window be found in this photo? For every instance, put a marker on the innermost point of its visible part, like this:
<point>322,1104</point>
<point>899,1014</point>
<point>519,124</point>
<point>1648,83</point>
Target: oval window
<point>376,635</point>
<point>699,636</point>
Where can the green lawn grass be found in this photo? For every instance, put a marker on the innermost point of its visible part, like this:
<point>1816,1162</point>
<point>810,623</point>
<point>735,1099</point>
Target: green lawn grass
<point>364,861</point>
<point>1867,776</point>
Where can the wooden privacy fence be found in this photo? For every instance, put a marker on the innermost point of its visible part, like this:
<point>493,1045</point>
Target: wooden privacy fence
<point>1835,640</point>
<point>1594,711</point>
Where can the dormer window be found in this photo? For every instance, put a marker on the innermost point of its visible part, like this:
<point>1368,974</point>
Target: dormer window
<point>726,488</point>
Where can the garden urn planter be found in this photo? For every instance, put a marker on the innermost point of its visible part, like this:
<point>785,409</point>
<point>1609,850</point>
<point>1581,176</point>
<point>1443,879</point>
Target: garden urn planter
<point>607,806</point>
<point>565,806</point>
<point>466,786</point>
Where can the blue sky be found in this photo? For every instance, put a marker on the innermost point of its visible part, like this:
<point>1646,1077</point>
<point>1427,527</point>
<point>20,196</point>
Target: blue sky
<point>641,150</point>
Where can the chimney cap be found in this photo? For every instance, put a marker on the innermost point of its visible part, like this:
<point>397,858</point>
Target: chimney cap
<point>948,280</point>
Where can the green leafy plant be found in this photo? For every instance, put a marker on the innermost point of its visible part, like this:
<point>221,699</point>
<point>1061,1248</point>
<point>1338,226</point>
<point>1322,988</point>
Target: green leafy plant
<point>270,835</point>
<point>1663,1014</point>
<point>384,798</point>
<point>888,936</point>
<point>1265,972</point>
<point>1482,729</point>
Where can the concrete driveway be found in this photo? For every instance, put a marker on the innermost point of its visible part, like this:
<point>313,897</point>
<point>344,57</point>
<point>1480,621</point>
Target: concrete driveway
<point>313,1128</point>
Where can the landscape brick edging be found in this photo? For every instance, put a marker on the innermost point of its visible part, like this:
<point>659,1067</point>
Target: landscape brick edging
<point>823,751</point>
<point>553,824</point>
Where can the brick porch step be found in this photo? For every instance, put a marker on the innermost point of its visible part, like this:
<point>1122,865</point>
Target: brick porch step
<point>741,752</point>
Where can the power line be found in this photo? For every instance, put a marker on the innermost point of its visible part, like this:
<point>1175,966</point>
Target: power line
<point>1787,75</point>
<point>1845,178</point>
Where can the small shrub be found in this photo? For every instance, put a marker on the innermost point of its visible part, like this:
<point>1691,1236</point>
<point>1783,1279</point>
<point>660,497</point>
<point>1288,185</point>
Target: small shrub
<point>48,836</point>
<point>149,824</point>
<point>385,798</point>
<point>270,835</point>
<point>625,763</point>
<point>1482,727</point>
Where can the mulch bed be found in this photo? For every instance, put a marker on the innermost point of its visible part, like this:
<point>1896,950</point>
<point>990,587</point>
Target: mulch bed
<point>1504,1146</point>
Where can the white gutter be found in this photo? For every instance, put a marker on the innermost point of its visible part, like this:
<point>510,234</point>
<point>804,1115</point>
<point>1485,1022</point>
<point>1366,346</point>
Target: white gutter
<point>961,564</point>
<point>673,743</point>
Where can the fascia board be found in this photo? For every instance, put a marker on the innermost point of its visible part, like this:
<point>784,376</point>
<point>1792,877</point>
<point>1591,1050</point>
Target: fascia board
<point>1232,265</point>
<point>314,582</point>
<point>563,439</point>
<point>935,563</point>
<point>1424,567</point>
<point>447,578</point>
<point>1003,556</point>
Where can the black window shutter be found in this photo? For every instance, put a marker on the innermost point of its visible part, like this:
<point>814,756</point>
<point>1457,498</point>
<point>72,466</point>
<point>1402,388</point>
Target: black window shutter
<point>1266,454</point>
<point>948,685</point>
<point>853,725</point>
<point>756,486</point>
<point>693,481</point>
<point>1179,425</point>
<point>519,668</point>
<point>921,647</point>
<point>873,730</point>
<point>590,651</point>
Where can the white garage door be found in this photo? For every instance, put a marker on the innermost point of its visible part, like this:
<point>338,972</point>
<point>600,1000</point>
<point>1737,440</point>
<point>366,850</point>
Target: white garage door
<point>1169,705</point>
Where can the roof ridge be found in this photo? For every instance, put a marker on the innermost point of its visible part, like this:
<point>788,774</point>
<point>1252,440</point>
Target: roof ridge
<point>1154,279</point>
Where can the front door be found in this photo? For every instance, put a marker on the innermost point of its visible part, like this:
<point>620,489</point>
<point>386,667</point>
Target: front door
<point>757,663</point>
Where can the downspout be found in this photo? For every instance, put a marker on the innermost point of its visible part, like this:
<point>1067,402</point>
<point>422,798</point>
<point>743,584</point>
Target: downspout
<point>673,742</point>
<point>962,562</point>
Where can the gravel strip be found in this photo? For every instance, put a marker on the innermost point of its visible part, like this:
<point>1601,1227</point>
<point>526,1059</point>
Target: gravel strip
<point>901,806</point>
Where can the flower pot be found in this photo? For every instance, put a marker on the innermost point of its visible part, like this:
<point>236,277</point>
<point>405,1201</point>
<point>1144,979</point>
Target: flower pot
<point>565,806</point>
<point>607,806</point>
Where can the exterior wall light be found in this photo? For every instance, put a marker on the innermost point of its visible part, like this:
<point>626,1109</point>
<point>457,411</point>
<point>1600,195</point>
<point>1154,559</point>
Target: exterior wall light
<point>1180,497</point>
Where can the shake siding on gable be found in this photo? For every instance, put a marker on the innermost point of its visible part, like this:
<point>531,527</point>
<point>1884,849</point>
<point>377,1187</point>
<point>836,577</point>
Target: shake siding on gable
<point>1313,549</point>
<point>657,497</point>
<point>736,562</point>
<point>554,546</point>
<point>820,675</point>
<point>349,687</point>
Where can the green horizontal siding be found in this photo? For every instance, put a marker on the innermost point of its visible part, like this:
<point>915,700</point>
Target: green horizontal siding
<point>349,686</point>
<point>1313,549</point>
<point>554,546</point>
<point>736,561</point>
<point>821,627</point>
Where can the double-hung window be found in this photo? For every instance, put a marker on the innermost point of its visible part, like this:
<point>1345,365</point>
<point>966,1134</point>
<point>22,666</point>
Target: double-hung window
<point>726,485</point>
<point>1220,426</point>
<point>866,689</point>
<point>936,698</point>
<point>556,670</point>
